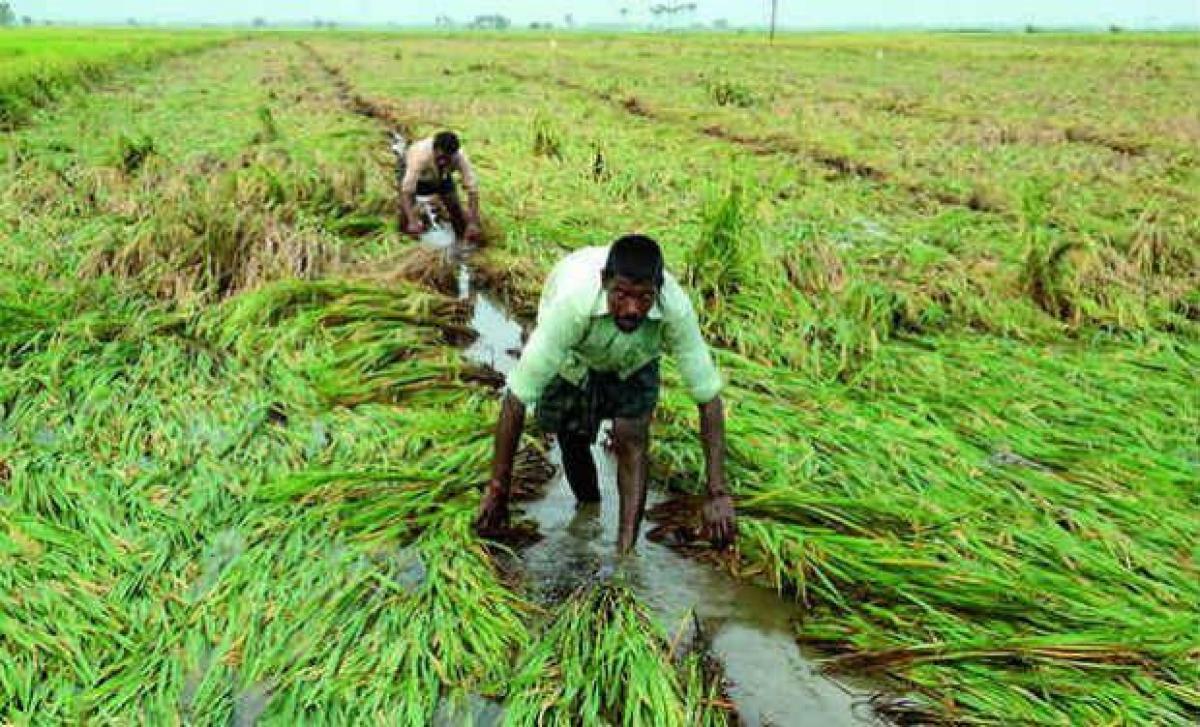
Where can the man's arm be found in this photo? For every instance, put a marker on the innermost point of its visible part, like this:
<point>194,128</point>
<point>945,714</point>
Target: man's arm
<point>685,341</point>
<point>543,355</point>
<point>473,207</point>
<point>704,384</point>
<point>718,511</point>
<point>508,434</point>
<point>409,211</point>
<point>712,433</point>
<point>408,189</point>
<point>493,511</point>
<point>471,184</point>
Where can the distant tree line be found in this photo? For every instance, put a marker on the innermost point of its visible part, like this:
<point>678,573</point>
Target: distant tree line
<point>8,17</point>
<point>490,22</point>
<point>670,9</point>
<point>494,21</point>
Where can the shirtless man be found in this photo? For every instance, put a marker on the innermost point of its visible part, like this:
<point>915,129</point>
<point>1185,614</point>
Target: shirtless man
<point>429,167</point>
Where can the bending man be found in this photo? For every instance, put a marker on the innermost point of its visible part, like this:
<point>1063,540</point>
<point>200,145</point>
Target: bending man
<point>429,167</point>
<point>604,317</point>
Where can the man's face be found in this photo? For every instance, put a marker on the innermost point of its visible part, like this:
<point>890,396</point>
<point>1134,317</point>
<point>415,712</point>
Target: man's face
<point>629,302</point>
<point>442,159</point>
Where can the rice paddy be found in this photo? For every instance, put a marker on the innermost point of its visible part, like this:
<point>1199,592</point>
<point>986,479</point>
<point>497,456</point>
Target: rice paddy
<point>38,67</point>
<point>953,282</point>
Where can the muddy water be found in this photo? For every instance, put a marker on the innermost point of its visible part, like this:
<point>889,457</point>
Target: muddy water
<point>499,347</point>
<point>747,628</point>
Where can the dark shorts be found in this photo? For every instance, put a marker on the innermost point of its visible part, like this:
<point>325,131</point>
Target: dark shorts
<point>565,408</point>
<point>442,186</point>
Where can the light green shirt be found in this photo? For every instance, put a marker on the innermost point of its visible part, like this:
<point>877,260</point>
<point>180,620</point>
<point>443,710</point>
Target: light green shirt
<point>575,333</point>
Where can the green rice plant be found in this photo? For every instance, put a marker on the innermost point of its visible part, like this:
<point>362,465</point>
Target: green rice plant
<point>1161,246</point>
<point>724,259</point>
<point>364,343</point>
<point>602,661</point>
<point>969,539</point>
<point>547,139</point>
<point>203,237</point>
<point>269,128</point>
<point>730,93</point>
<point>239,454</point>
<point>1044,275</point>
<point>132,152</point>
<point>41,65</point>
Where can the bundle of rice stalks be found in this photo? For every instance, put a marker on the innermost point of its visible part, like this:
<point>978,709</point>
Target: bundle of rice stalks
<point>546,138</point>
<point>602,661</point>
<point>387,504</point>
<point>355,342</point>
<point>725,260</point>
<point>423,266</point>
<point>966,497</point>
<point>200,237</point>
<point>268,127</point>
<point>133,151</point>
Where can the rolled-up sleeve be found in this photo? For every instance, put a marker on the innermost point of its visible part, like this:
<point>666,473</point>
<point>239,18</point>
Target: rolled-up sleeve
<point>556,332</point>
<point>686,344</point>
<point>470,182</point>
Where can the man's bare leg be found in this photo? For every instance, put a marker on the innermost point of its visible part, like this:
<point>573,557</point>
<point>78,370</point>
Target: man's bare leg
<point>632,438</point>
<point>579,466</point>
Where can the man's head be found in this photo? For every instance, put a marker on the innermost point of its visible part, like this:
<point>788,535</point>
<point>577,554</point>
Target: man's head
<point>632,277</point>
<point>445,146</point>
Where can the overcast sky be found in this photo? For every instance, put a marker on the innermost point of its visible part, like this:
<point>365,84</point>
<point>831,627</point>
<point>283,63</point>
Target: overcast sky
<point>792,13</point>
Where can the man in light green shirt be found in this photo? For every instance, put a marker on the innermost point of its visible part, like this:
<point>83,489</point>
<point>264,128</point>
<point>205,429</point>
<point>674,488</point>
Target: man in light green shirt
<point>605,315</point>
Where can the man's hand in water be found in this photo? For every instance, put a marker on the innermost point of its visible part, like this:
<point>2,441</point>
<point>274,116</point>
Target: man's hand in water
<point>473,233</point>
<point>719,523</point>
<point>414,227</point>
<point>493,510</point>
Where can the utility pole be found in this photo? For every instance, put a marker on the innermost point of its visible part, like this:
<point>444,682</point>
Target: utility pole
<point>774,13</point>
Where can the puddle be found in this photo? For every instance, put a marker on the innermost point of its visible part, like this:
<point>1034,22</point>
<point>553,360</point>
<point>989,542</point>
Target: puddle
<point>499,346</point>
<point>748,628</point>
<point>499,341</point>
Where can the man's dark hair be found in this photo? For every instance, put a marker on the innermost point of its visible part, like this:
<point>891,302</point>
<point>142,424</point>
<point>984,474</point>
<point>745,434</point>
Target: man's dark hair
<point>446,142</point>
<point>637,258</point>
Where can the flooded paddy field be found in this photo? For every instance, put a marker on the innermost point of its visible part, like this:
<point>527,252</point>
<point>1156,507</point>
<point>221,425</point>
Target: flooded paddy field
<point>951,282</point>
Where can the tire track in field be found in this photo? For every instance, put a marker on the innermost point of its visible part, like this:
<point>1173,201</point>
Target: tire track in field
<point>390,117</point>
<point>1039,133</point>
<point>1007,133</point>
<point>840,166</point>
